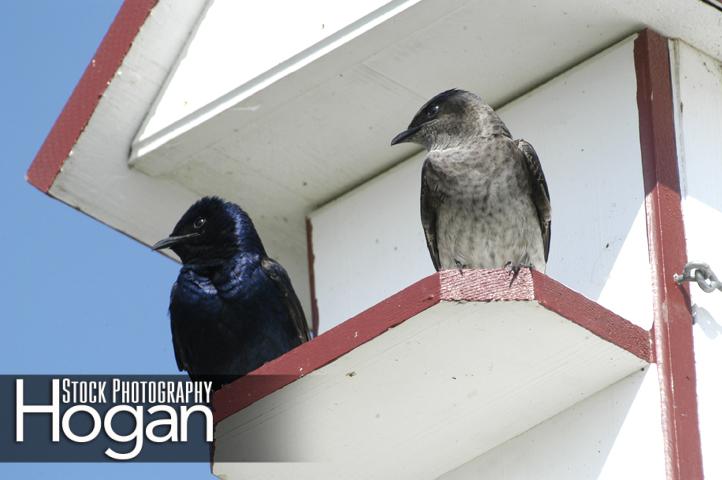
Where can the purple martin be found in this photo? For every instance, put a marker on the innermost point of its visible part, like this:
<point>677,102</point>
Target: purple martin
<point>484,198</point>
<point>232,308</point>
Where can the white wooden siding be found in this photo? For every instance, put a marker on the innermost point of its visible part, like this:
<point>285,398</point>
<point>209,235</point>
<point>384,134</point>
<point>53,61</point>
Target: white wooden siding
<point>698,88</point>
<point>612,435</point>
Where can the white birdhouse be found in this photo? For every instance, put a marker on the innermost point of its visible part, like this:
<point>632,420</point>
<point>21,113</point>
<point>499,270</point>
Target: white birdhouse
<point>593,370</point>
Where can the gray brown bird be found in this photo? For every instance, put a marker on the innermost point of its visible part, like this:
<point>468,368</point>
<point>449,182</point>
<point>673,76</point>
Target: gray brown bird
<point>484,198</point>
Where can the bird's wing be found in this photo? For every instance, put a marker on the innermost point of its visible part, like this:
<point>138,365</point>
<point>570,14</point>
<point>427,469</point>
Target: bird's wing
<point>278,274</point>
<point>205,327</point>
<point>181,354</point>
<point>539,191</point>
<point>430,200</point>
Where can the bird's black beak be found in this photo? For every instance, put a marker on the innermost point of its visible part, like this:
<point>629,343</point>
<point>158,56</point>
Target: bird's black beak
<point>405,135</point>
<point>173,240</point>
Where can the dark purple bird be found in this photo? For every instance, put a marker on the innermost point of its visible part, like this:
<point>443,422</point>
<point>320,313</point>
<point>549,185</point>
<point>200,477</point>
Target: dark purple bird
<point>232,308</point>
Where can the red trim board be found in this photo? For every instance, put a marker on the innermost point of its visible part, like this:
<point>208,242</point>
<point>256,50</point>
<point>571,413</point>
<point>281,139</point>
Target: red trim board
<point>312,275</point>
<point>450,285</point>
<point>672,330</point>
<point>87,93</point>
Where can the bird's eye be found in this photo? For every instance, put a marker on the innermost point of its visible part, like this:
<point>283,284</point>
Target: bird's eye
<point>433,110</point>
<point>200,221</point>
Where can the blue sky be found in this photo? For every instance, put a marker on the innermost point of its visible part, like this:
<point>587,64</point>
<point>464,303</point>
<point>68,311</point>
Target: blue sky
<point>77,297</point>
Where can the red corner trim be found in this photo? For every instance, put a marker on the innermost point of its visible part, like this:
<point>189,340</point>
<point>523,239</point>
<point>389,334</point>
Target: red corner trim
<point>486,285</point>
<point>493,285</point>
<point>311,275</point>
<point>91,87</point>
<point>592,316</point>
<point>450,285</point>
<point>672,330</point>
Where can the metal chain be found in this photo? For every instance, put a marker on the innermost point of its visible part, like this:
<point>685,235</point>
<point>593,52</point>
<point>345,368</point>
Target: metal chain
<point>700,273</point>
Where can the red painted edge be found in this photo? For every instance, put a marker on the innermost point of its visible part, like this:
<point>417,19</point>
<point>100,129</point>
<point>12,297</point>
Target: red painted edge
<point>672,330</point>
<point>449,285</point>
<point>493,285</point>
<point>87,93</point>
<point>326,348</point>
<point>311,275</point>
<point>486,285</point>
<point>593,317</point>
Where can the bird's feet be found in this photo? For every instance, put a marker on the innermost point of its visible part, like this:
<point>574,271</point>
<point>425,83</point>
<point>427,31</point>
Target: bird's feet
<point>459,266</point>
<point>514,269</point>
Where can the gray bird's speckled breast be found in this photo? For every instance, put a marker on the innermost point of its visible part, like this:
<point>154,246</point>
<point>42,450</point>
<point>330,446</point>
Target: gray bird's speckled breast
<point>485,217</point>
